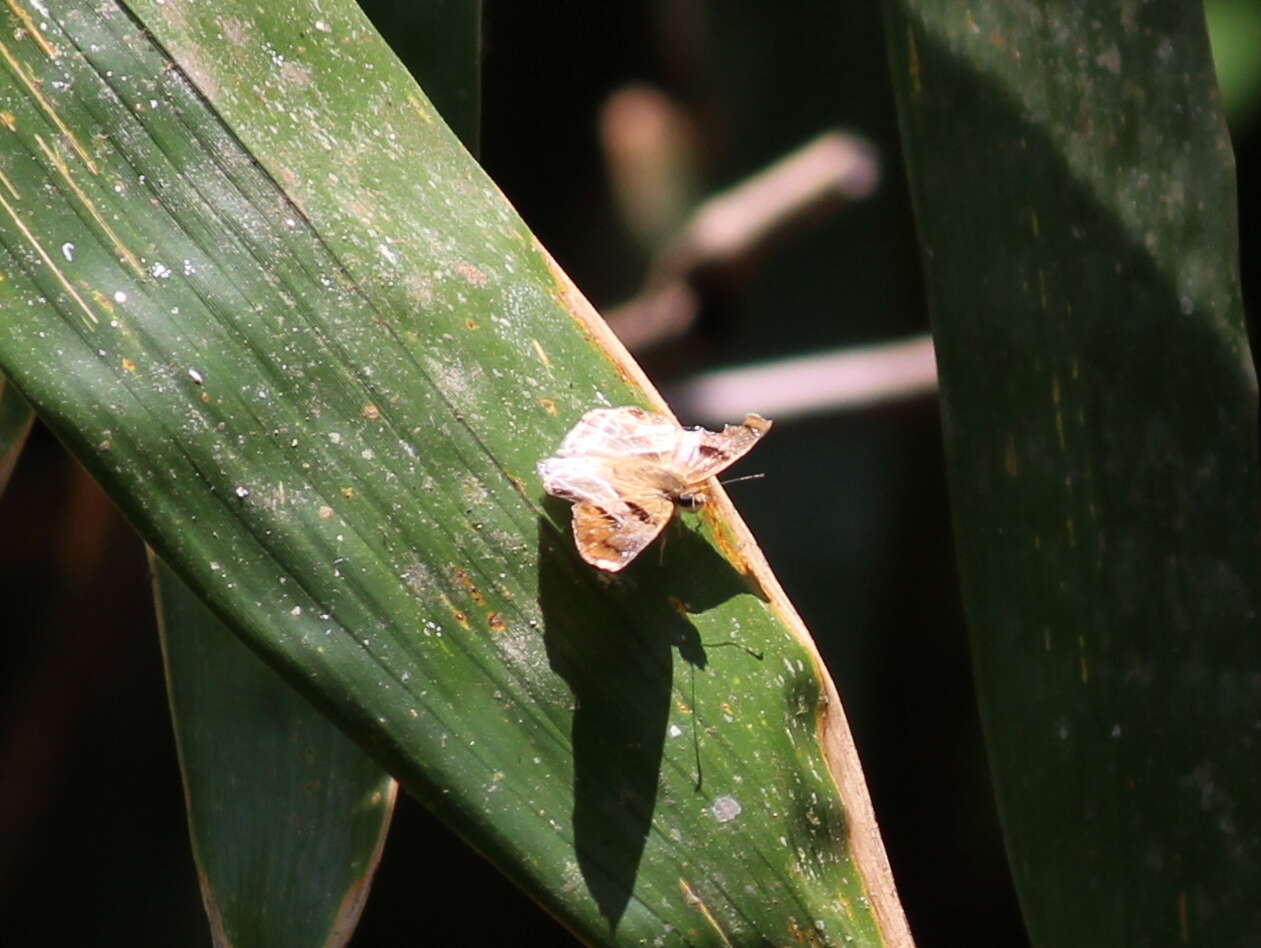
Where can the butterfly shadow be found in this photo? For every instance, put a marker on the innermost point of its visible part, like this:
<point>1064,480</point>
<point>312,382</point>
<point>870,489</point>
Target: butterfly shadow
<point>611,637</point>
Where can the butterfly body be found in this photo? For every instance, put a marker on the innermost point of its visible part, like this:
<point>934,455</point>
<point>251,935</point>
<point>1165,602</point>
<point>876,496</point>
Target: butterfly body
<point>625,469</point>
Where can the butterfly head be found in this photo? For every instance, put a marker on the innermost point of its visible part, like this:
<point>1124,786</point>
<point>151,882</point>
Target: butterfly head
<point>691,499</point>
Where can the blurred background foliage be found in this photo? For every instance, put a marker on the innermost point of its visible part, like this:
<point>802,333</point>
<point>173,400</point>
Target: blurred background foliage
<point>852,514</point>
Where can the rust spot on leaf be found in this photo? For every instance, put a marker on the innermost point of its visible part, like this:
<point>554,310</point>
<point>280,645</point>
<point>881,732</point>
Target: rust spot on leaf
<point>802,936</point>
<point>463,578</point>
<point>370,411</point>
<point>496,622</point>
<point>460,615</point>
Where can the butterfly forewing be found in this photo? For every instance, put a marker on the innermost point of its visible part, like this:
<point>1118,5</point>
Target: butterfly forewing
<point>622,433</point>
<point>718,450</point>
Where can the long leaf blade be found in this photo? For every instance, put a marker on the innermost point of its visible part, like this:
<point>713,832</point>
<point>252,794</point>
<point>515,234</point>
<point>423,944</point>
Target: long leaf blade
<point>1075,197</point>
<point>319,384</point>
<point>286,814</point>
<point>287,817</point>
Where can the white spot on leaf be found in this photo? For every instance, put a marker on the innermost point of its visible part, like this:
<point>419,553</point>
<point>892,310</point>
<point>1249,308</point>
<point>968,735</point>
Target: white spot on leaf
<point>726,809</point>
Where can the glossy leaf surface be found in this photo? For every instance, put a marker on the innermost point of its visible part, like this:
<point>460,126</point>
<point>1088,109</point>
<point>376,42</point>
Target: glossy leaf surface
<point>315,356</point>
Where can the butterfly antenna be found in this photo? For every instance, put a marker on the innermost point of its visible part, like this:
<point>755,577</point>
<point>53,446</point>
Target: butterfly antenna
<point>745,477</point>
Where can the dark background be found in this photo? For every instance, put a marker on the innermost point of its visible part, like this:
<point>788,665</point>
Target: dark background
<point>852,515</point>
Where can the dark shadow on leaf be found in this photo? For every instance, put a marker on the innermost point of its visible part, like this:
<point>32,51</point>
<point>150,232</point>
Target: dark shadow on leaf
<point>610,637</point>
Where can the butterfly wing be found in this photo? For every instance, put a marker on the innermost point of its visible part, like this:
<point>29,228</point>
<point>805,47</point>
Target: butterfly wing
<point>609,538</point>
<point>618,505</point>
<point>626,432</point>
<point>711,452</point>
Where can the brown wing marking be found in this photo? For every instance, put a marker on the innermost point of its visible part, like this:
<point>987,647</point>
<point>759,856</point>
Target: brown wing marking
<point>609,537</point>
<point>718,450</point>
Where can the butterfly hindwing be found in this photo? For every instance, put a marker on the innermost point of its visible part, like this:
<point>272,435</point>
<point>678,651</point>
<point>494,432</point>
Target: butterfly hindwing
<point>611,538</point>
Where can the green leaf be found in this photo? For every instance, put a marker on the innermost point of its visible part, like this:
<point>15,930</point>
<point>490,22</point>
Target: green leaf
<point>258,287</point>
<point>1074,192</point>
<point>287,815</point>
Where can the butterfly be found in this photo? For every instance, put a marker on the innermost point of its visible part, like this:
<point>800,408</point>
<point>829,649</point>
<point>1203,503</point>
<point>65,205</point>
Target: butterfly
<point>625,469</point>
